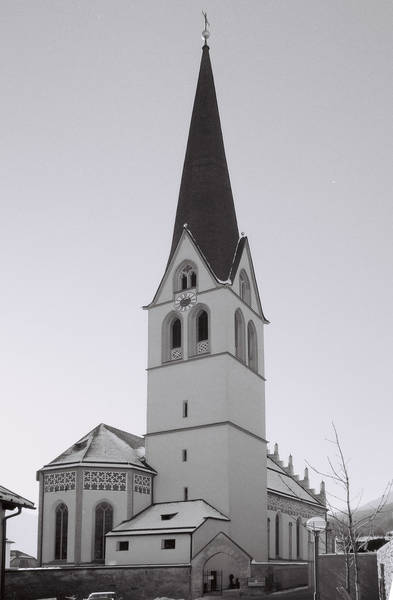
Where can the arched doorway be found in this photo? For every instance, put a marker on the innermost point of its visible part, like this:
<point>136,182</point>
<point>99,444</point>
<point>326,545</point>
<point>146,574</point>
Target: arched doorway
<point>220,572</point>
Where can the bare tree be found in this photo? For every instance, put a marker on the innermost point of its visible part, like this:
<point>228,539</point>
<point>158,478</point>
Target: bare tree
<point>348,526</point>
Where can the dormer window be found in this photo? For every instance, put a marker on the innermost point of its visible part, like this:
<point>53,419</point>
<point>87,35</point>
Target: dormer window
<point>168,516</point>
<point>245,289</point>
<point>186,277</point>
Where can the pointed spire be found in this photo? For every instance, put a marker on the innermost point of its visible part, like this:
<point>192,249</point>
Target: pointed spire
<point>290,465</point>
<point>205,198</point>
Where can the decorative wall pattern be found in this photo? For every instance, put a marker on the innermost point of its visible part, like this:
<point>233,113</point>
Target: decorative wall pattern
<point>293,507</point>
<point>115,481</point>
<point>62,481</point>
<point>142,484</point>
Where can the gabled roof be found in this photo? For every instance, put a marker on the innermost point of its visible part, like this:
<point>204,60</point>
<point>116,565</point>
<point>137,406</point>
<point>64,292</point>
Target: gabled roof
<point>105,444</point>
<point>205,198</point>
<point>281,482</point>
<point>11,500</point>
<point>185,517</point>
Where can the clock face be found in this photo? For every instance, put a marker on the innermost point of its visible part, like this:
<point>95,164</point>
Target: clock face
<point>185,301</point>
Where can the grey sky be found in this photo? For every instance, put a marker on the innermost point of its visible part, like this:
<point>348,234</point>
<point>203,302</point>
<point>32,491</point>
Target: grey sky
<point>95,110</point>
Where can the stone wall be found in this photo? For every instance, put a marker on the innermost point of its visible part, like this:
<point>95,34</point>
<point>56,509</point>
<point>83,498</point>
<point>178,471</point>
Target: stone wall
<point>332,575</point>
<point>385,568</point>
<point>132,583</point>
<point>281,576</point>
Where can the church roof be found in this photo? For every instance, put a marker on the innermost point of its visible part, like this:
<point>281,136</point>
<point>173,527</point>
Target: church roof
<point>205,200</point>
<point>281,482</point>
<point>183,517</point>
<point>105,444</point>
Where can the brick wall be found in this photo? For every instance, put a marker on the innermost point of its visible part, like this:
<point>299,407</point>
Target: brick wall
<point>132,583</point>
<point>385,566</point>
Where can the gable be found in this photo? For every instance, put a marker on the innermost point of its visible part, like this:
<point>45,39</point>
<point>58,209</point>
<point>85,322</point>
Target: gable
<point>243,263</point>
<point>186,252</point>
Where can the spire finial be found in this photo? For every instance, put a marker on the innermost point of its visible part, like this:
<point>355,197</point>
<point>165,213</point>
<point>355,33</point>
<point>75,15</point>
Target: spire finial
<point>205,32</point>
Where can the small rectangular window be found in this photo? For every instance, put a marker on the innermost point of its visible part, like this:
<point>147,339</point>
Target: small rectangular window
<point>184,455</point>
<point>168,544</point>
<point>185,408</point>
<point>121,546</point>
<point>186,493</point>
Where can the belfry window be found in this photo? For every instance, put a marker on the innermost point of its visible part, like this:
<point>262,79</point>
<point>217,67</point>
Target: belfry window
<point>202,326</point>
<point>61,532</point>
<point>176,334</point>
<point>172,338</point>
<point>103,524</point>
<point>245,289</point>
<point>186,278</point>
<point>199,331</point>
<point>252,346</point>
<point>240,336</point>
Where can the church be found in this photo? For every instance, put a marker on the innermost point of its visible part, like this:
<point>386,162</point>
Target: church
<point>201,487</point>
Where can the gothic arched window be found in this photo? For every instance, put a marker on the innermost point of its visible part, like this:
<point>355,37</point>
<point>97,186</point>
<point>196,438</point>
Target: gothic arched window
<point>298,548</point>
<point>172,337</point>
<point>268,538</point>
<point>199,331</point>
<point>186,277</point>
<point>277,535</point>
<point>252,346</point>
<point>61,532</point>
<point>245,288</point>
<point>176,334</point>
<point>103,524</point>
<point>240,336</point>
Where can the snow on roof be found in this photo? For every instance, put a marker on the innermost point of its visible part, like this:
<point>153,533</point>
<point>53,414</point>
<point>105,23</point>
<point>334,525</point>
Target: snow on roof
<point>11,500</point>
<point>278,480</point>
<point>182,516</point>
<point>104,444</point>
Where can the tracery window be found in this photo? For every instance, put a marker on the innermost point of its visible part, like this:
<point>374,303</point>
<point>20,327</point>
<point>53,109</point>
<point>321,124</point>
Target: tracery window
<point>61,532</point>
<point>186,277</point>
<point>245,288</point>
<point>142,484</point>
<point>240,336</point>
<point>59,482</point>
<point>252,346</point>
<point>103,524</point>
<point>115,481</point>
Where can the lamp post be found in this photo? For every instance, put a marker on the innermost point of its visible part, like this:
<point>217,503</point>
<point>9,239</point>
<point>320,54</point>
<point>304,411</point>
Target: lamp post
<point>316,525</point>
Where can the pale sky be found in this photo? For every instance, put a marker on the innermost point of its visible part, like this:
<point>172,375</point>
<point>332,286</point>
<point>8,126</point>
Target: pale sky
<point>96,99</point>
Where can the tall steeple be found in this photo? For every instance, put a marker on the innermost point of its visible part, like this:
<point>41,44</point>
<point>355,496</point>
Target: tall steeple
<point>205,199</point>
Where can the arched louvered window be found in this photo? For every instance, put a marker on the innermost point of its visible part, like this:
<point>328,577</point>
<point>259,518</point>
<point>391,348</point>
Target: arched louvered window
<point>202,326</point>
<point>298,546</point>
<point>240,336</point>
<point>172,337</point>
<point>186,277</point>
<point>252,346</point>
<point>199,331</point>
<point>175,334</point>
<point>103,524</point>
<point>277,535</point>
<point>61,532</point>
<point>245,288</point>
<point>290,530</point>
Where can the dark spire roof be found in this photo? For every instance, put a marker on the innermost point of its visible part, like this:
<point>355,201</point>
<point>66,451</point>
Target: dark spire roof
<point>205,198</point>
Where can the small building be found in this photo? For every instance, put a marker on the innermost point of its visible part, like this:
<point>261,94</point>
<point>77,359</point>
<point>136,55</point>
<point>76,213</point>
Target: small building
<point>98,482</point>
<point>21,560</point>
<point>9,501</point>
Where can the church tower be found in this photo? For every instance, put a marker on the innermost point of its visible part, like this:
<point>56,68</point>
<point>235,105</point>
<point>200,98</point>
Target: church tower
<point>206,406</point>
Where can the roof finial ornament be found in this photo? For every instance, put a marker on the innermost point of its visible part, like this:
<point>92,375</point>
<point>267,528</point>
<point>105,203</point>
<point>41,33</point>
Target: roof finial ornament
<point>205,32</point>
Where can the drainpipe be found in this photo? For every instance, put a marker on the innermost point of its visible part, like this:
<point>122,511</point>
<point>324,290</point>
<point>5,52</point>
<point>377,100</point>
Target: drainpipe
<point>3,546</point>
